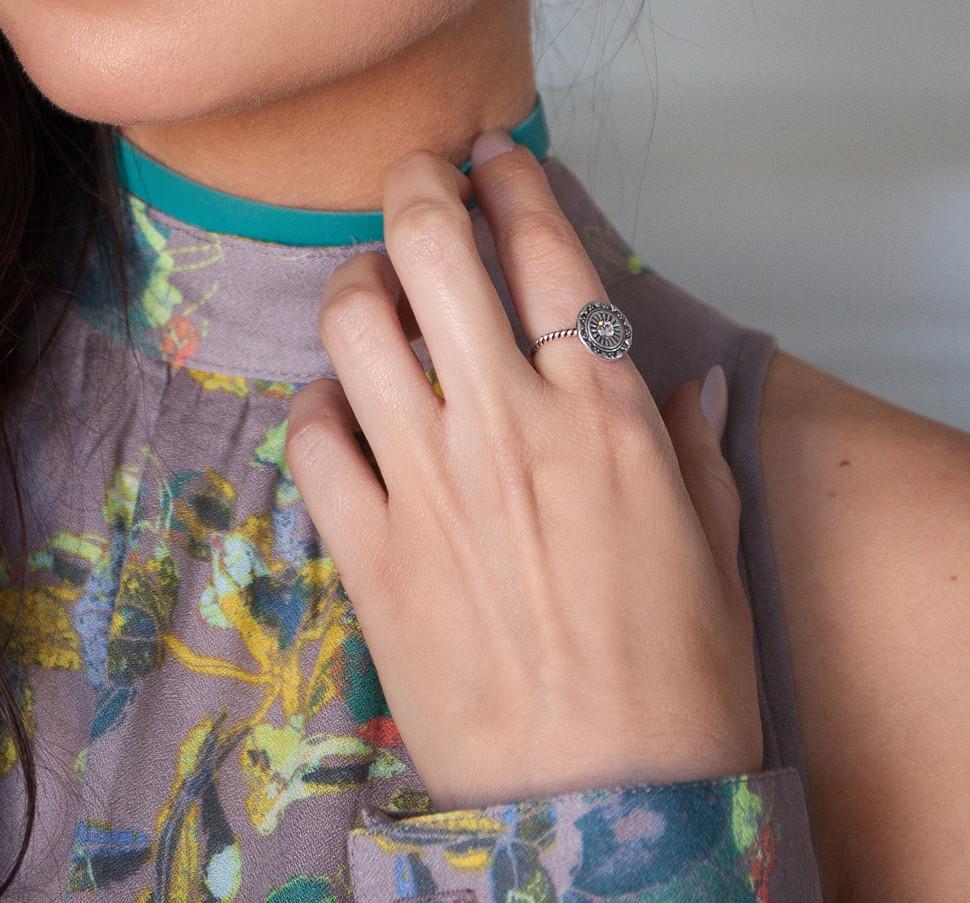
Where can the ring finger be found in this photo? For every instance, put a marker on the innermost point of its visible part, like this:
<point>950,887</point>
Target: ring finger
<point>549,274</point>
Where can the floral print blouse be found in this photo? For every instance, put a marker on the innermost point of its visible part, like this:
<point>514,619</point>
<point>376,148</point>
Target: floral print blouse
<point>207,720</point>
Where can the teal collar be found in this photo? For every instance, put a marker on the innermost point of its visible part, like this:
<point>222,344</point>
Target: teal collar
<point>219,211</point>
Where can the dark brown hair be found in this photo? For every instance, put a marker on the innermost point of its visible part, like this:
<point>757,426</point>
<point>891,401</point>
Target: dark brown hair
<point>57,202</point>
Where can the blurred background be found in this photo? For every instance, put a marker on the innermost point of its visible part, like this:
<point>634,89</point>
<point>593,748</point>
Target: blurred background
<point>803,166</point>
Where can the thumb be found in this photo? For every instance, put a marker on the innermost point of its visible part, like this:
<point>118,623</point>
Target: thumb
<point>706,474</point>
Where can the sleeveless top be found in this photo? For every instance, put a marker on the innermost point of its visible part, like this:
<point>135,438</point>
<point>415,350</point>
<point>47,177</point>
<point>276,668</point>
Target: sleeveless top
<point>207,722</point>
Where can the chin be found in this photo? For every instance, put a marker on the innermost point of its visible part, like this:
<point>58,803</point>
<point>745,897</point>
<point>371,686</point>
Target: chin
<point>130,76</point>
<point>152,61</point>
<point>138,100</point>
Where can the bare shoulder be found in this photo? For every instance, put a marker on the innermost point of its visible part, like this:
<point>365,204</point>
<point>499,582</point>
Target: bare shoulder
<point>868,508</point>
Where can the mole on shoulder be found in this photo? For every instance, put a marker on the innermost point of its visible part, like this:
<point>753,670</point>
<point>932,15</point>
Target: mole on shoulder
<point>832,493</point>
<point>843,462</point>
<point>953,576</point>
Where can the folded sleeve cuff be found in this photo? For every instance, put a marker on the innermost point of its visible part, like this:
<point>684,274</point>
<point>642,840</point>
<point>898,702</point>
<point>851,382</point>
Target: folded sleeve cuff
<point>743,838</point>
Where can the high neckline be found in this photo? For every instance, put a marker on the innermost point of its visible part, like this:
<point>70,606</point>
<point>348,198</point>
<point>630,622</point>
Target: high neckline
<point>215,210</point>
<point>240,310</point>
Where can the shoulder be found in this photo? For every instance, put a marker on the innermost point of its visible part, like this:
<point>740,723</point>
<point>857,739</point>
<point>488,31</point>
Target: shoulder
<point>857,460</point>
<point>867,506</point>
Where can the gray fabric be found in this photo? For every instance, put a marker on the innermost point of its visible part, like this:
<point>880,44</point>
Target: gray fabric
<point>168,541</point>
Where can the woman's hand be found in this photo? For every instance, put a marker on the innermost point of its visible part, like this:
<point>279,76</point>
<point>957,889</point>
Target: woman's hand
<point>548,586</point>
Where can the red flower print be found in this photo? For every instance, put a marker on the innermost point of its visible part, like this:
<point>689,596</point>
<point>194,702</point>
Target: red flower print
<point>181,341</point>
<point>764,862</point>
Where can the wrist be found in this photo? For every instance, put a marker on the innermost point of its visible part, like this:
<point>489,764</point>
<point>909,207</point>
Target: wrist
<point>521,772</point>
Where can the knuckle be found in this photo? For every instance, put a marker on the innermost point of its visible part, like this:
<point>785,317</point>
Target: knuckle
<point>541,235</point>
<point>644,440</point>
<point>622,419</point>
<point>428,229</point>
<point>620,383</point>
<point>418,156</point>
<point>309,438</point>
<point>352,313</point>
<point>513,464</point>
<point>634,437</point>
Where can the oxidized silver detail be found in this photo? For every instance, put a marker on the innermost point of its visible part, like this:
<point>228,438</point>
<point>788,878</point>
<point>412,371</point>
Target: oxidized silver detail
<point>601,326</point>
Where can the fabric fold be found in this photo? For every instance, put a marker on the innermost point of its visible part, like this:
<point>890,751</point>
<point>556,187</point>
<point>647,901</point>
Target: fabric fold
<point>730,840</point>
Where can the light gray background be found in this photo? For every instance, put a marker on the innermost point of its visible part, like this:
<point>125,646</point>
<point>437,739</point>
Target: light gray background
<point>802,165</point>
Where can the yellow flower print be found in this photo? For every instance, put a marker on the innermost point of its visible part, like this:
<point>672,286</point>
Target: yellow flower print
<point>42,632</point>
<point>278,610</point>
<point>283,765</point>
<point>220,382</point>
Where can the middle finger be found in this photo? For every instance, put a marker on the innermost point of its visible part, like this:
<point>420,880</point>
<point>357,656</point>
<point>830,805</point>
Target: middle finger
<point>429,238</point>
<point>549,274</point>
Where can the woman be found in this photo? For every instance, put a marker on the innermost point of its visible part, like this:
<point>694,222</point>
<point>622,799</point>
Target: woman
<point>210,716</point>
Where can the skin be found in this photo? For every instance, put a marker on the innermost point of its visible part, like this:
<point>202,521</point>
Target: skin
<point>474,552</point>
<point>297,102</point>
<point>867,508</point>
<point>872,555</point>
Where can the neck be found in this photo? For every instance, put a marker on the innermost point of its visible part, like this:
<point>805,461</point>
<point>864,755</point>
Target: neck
<point>329,146</point>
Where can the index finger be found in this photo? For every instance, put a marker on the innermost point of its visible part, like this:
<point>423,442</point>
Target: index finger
<point>430,240</point>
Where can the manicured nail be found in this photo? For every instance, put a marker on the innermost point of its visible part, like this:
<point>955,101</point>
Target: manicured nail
<point>490,143</point>
<point>714,399</point>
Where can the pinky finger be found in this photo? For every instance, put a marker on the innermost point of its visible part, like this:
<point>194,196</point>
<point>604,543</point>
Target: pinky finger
<point>340,487</point>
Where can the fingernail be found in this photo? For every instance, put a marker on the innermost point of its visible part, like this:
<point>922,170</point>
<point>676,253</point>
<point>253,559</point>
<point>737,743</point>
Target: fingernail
<point>714,399</point>
<point>490,143</point>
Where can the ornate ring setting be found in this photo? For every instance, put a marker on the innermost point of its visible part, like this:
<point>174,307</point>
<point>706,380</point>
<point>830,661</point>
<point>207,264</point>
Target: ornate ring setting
<point>601,326</point>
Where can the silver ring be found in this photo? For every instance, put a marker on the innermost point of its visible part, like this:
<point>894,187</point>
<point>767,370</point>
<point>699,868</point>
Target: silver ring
<point>601,326</point>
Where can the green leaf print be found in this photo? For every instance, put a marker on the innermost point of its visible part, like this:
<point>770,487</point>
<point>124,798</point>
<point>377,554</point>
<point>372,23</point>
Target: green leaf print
<point>302,889</point>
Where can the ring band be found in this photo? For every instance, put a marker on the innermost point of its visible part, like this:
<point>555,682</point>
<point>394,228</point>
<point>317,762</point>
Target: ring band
<point>601,326</point>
